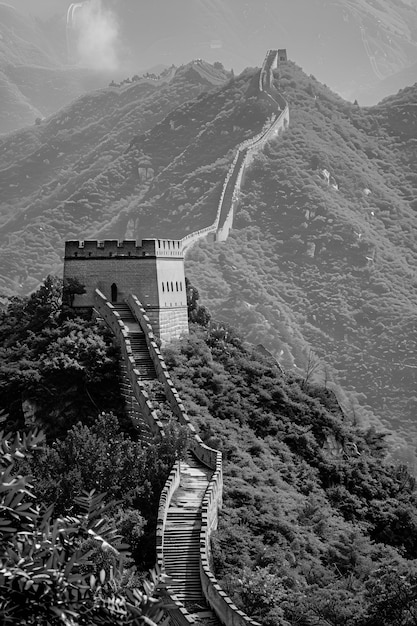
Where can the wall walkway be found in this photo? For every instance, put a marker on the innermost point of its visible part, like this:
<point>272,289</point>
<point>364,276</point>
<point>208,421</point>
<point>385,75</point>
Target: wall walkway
<point>192,496</point>
<point>245,153</point>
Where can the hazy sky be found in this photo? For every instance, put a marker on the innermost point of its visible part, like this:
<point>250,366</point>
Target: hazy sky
<point>39,7</point>
<point>341,42</point>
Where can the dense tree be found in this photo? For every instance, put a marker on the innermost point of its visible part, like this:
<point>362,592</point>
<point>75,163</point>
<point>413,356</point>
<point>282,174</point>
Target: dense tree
<point>55,370</point>
<point>313,507</point>
<point>48,573</point>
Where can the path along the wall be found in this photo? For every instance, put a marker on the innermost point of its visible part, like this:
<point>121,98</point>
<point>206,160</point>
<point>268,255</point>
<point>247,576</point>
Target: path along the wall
<point>245,153</point>
<point>192,496</point>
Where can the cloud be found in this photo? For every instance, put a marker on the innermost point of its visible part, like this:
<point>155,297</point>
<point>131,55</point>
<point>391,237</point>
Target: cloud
<point>95,31</point>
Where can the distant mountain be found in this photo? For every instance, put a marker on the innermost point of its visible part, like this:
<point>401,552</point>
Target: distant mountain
<point>316,261</point>
<point>363,49</point>
<point>385,88</point>
<point>347,44</point>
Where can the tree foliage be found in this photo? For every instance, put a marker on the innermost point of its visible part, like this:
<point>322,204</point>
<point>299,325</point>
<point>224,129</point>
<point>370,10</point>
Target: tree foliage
<point>55,369</point>
<point>47,574</point>
<point>314,511</point>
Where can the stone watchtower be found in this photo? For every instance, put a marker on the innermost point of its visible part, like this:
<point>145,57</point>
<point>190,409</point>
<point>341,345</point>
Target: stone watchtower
<point>153,271</point>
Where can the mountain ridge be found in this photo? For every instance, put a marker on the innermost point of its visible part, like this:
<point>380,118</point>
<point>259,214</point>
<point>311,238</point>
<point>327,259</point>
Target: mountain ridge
<point>308,266</point>
<point>366,49</point>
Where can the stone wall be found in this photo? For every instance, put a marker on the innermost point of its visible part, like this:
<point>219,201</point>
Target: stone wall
<point>217,599</point>
<point>169,319</point>
<point>245,153</point>
<point>154,270</point>
<point>137,275</point>
<point>145,409</point>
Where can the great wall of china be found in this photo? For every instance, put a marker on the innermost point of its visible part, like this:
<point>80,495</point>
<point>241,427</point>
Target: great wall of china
<point>245,153</point>
<point>192,496</point>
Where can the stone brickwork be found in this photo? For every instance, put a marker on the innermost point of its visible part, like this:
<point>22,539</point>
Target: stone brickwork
<point>173,322</point>
<point>153,270</point>
<point>217,599</point>
<point>150,278</point>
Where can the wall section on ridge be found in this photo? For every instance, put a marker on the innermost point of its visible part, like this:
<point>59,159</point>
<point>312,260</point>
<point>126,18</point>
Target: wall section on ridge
<point>217,599</point>
<point>245,154</point>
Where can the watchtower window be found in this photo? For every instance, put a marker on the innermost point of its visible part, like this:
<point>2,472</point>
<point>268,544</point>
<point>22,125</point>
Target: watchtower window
<point>172,287</point>
<point>167,286</point>
<point>114,292</point>
<point>180,285</point>
<point>176,286</point>
<point>163,287</point>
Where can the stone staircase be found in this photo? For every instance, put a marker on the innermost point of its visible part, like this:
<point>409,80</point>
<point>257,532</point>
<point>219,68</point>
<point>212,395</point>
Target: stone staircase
<point>137,339</point>
<point>182,535</point>
<point>182,541</point>
<point>143,364</point>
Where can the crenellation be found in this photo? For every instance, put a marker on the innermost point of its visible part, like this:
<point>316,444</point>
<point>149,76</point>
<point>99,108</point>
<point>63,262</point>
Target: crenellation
<point>108,247</point>
<point>126,249</point>
<point>153,269</point>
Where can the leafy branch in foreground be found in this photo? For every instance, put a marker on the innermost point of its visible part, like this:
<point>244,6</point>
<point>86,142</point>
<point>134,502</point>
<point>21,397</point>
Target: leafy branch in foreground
<point>47,575</point>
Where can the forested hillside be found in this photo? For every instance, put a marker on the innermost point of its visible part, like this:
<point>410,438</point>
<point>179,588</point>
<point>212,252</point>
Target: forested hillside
<point>322,257</point>
<point>327,262</point>
<point>317,526</point>
<point>67,176</point>
<point>78,459</point>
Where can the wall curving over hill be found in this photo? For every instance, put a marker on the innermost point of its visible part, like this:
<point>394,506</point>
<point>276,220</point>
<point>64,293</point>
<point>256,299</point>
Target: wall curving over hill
<point>245,153</point>
<point>192,496</point>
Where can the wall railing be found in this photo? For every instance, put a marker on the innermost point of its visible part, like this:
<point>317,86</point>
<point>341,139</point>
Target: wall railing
<point>245,153</point>
<point>220,603</point>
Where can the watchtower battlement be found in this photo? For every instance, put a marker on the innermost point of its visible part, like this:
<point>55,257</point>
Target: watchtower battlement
<point>128,248</point>
<point>282,55</point>
<point>152,269</point>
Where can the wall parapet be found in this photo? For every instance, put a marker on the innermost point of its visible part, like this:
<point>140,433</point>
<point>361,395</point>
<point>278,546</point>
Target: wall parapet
<point>96,249</point>
<point>106,310</point>
<point>217,599</point>
<point>112,318</point>
<point>245,153</point>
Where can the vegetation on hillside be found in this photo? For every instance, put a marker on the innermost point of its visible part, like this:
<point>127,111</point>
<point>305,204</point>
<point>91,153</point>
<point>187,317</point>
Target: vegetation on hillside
<point>317,263</point>
<point>327,265</point>
<point>71,174</point>
<point>317,527</point>
<point>60,373</point>
<point>318,524</point>
<point>64,570</point>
